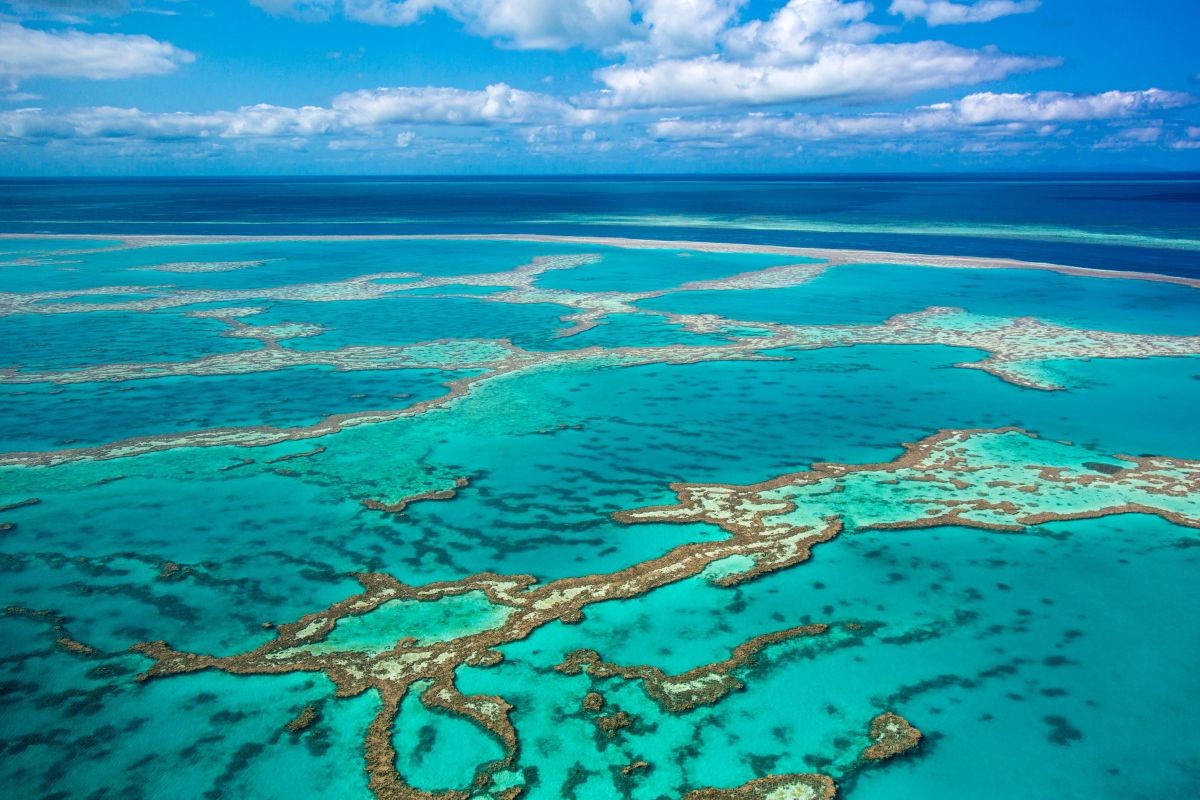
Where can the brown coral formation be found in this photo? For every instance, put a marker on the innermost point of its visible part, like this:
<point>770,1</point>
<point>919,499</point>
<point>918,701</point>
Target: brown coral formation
<point>73,646</point>
<point>611,724</point>
<point>891,735</point>
<point>703,685</point>
<point>58,627</point>
<point>796,786</point>
<point>395,671</point>
<point>170,570</point>
<point>592,701</point>
<point>362,287</point>
<point>433,494</point>
<point>316,451</point>
<point>306,717</point>
<point>942,458</point>
<point>257,436</point>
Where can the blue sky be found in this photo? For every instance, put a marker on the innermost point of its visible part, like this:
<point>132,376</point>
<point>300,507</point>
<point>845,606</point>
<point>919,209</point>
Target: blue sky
<point>161,87</point>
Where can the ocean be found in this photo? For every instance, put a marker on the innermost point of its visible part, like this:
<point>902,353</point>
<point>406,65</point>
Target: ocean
<point>600,487</point>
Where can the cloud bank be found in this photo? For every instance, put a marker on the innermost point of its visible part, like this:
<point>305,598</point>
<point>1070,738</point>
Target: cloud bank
<point>27,53</point>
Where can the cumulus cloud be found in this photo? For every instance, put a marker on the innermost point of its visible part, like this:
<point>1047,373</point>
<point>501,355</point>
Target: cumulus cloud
<point>350,113</point>
<point>806,50</point>
<point>837,71</point>
<point>497,103</point>
<point>988,107</point>
<point>27,53</point>
<point>523,24</point>
<point>797,31</point>
<point>677,28</point>
<point>1037,114</point>
<point>634,27</point>
<point>945,12</point>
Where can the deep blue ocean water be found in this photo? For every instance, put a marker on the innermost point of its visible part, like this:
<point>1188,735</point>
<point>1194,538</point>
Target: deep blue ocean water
<point>1144,222</point>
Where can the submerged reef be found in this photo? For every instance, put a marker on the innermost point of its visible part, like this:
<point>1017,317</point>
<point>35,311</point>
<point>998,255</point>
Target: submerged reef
<point>798,786</point>
<point>1016,349</point>
<point>1001,480</point>
<point>204,266</point>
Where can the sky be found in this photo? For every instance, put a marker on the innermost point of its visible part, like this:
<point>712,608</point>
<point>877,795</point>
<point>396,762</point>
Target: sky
<point>262,87</point>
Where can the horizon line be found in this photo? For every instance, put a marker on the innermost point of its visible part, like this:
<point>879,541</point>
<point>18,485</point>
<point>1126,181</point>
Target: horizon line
<point>876,174</point>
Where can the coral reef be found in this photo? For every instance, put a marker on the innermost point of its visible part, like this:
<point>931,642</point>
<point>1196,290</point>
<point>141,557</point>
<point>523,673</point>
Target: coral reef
<point>947,478</point>
<point>891,735</point>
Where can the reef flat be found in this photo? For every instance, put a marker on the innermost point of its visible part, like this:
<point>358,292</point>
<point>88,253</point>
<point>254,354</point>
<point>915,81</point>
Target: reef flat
<point>551,517</point>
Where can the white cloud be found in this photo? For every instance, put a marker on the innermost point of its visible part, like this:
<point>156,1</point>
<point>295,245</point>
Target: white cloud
<point>994,114</point>
<point>1189,141</point>
<point>986,107</point>
<point>945,12</point>
<point>27,53</point>
<point>806,50</point>
<point>1133,136</point>
<point>351,113</point>
<point>681,27</point>
<point>838,70</point>
<point>797,31</point>
<point>665,27</point>
<point>523,24</point>
<point>497,103</point>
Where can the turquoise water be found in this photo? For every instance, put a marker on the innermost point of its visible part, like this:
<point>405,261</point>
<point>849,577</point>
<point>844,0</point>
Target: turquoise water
<point>42,416</point>
<point>1058,655</point>
<point>873,292</point>
<point>407,319</point>
<point>38,342</point>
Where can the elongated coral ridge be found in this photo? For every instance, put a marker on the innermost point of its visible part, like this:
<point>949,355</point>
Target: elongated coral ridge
<point>702,685</point>
<point>795,786</point>
<point>1016,349</point>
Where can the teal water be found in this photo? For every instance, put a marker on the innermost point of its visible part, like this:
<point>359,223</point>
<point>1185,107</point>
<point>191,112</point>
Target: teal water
<point>1058,659</point>
<point>40,342</point>
<point>868,293</point>
<point>42,416</point>
<point>408,319</point>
